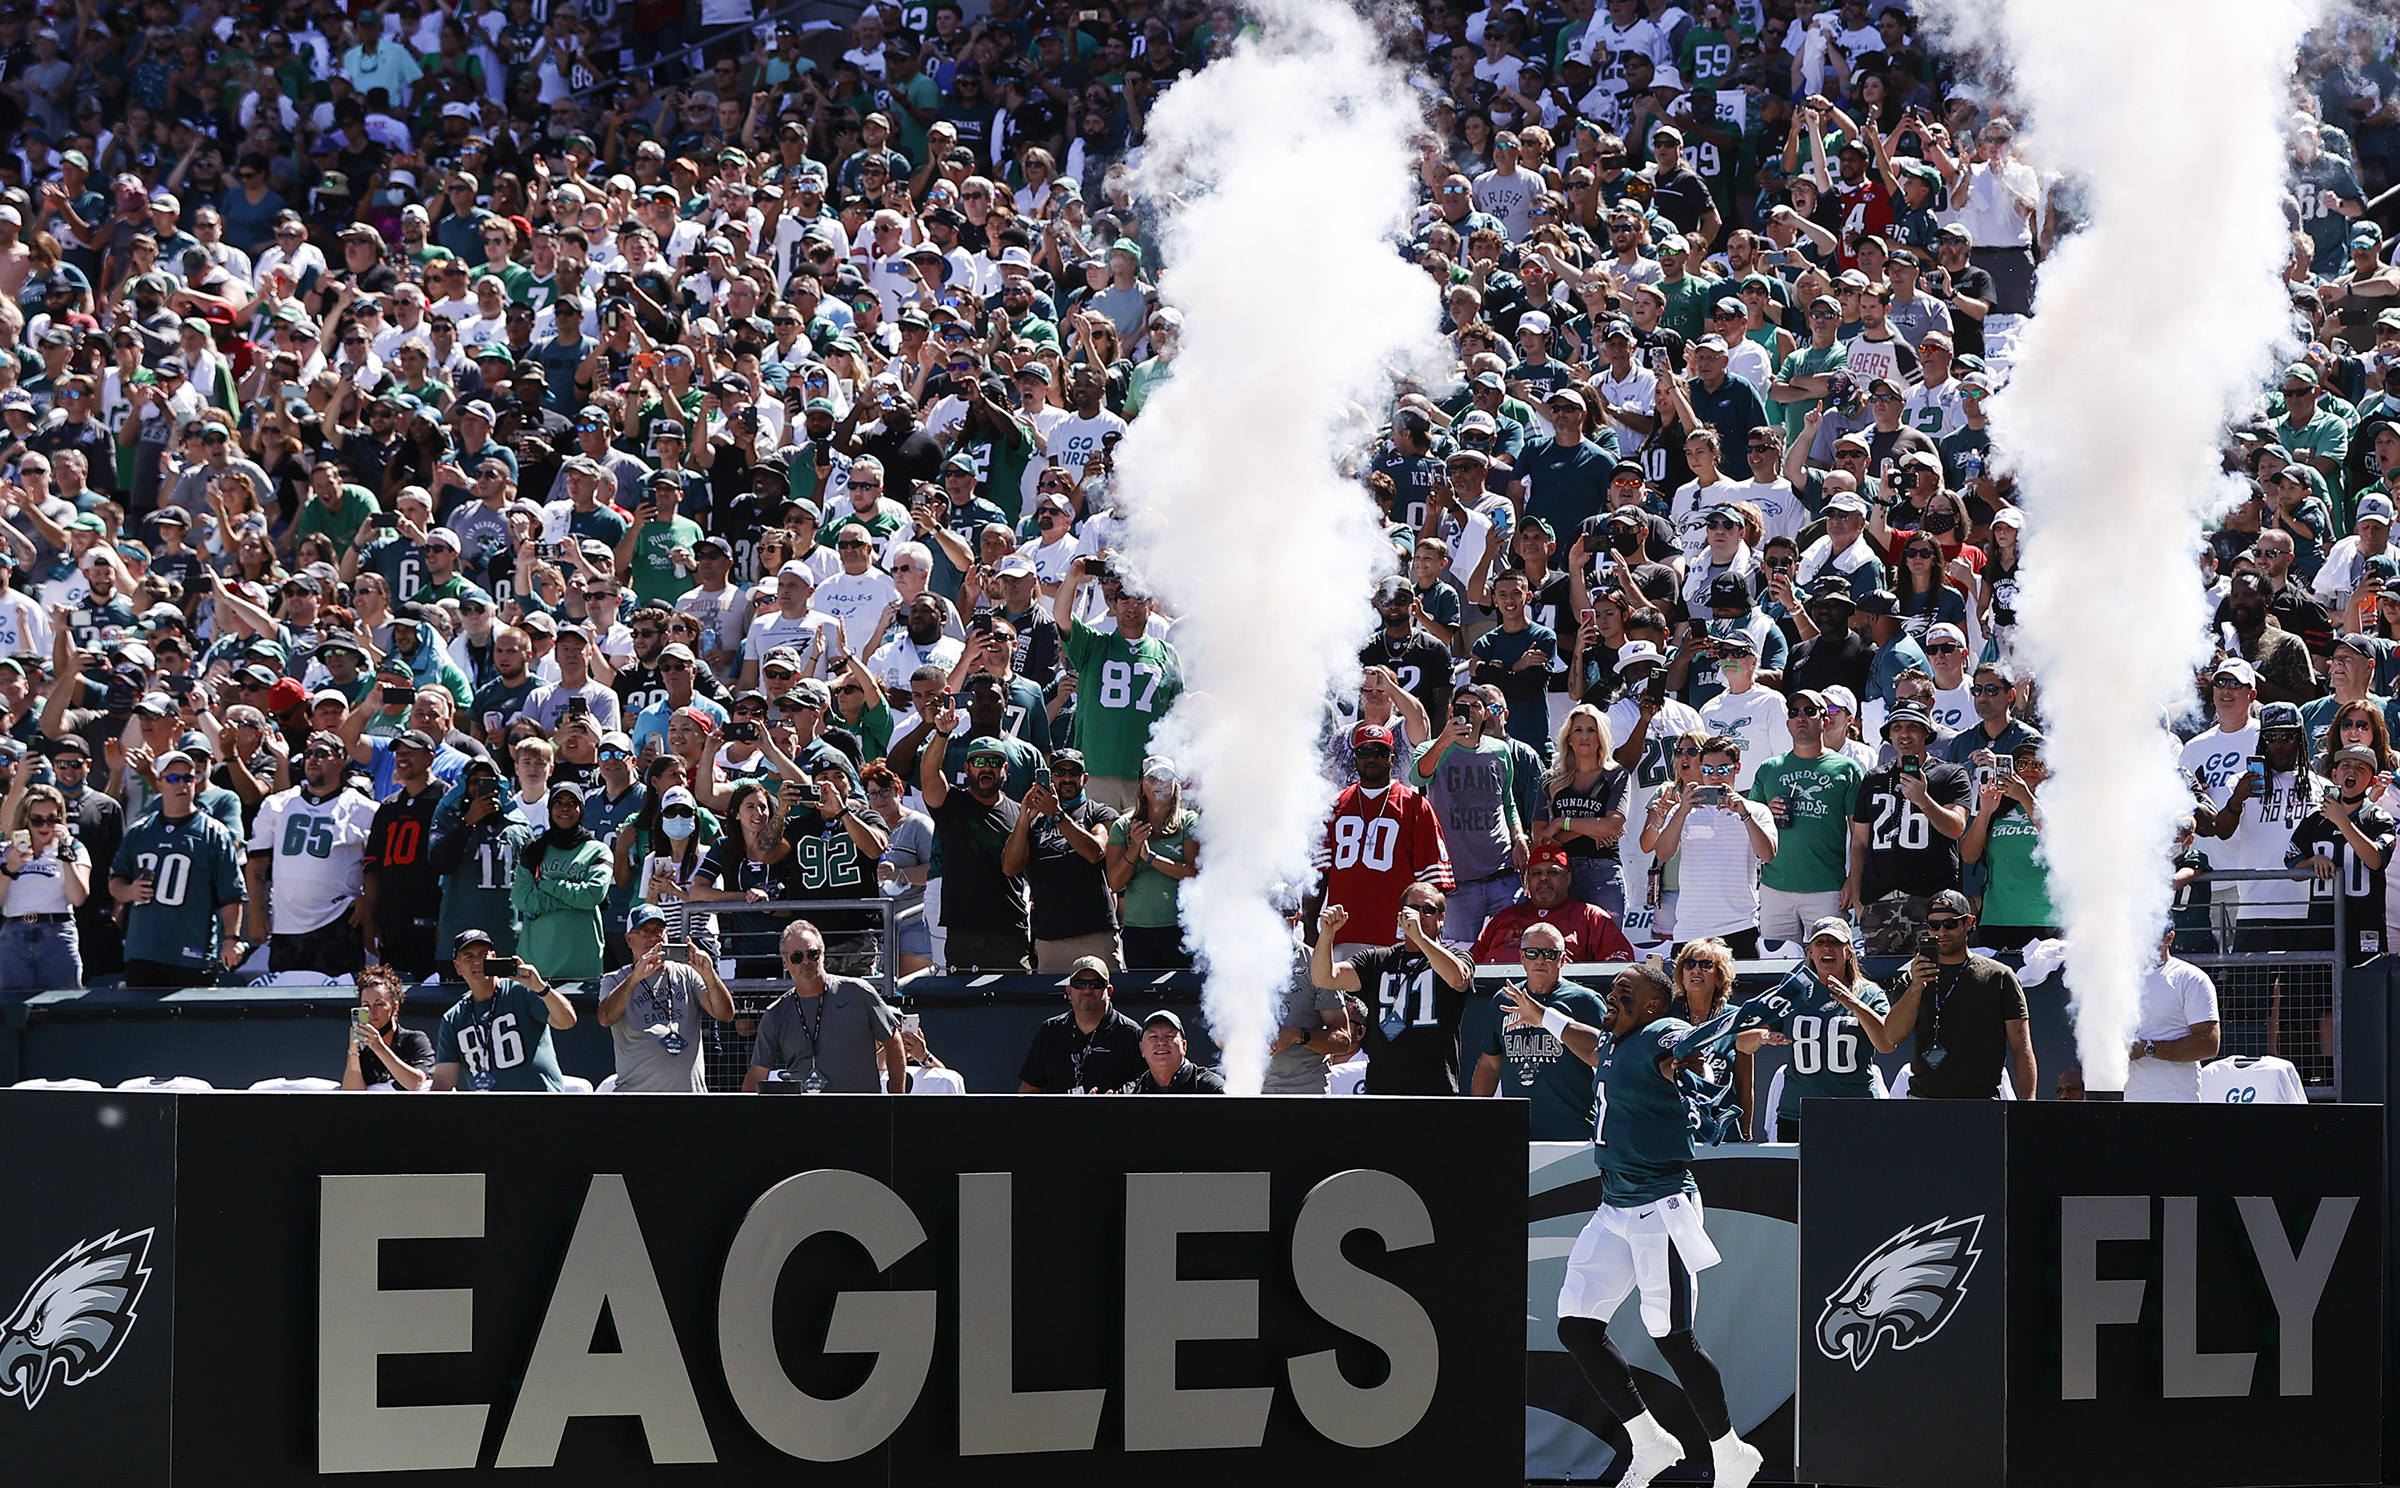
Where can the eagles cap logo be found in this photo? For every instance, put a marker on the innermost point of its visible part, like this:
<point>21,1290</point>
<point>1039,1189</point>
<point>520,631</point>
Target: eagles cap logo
<point>1907,1288</point>
<point>75,1316</point>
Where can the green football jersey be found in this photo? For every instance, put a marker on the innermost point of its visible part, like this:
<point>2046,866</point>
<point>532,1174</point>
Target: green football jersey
<point>481,863</point>
<point>500,1043</point>
<point>1645,1136</point>
<point>197,866</point>
<point>1830,1052</point>
<point>1123,688</point>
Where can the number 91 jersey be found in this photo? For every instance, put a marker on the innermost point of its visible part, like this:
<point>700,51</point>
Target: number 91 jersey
<point>1375,846</point>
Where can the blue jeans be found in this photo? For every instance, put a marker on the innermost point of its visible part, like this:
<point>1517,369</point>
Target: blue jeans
<point>1600,882</point>
<point>1473,903</point>
<point>39,958</point>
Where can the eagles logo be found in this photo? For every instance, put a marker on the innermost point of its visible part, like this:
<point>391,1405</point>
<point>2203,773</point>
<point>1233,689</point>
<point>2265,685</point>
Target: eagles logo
<point>1908,1287</point>
<point>75,1316</point>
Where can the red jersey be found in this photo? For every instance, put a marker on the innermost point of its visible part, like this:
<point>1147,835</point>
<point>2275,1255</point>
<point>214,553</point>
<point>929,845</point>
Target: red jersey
<point>1375,847</point>
<point>1866,210</point>
<point>1591,934</point>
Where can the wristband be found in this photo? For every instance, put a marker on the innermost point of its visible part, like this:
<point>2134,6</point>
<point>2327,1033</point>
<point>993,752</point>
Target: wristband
<point>1554,1022</point>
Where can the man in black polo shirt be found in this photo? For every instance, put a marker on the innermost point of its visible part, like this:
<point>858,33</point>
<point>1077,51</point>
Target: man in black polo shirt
<point>1968,1013</point>
<point>1168,1067</point>
<point>1089,1047</point>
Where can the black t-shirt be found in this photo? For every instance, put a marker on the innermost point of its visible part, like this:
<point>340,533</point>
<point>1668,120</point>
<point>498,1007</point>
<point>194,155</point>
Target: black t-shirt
<point>1189,1080</point>
<point>1412,1023</point>
<point>977,898</point>
<point>907,458</point>
<point>1064,1058</point>
<point>1844,660</point>
<point>1965,329</point>
<point>413,1048</point>
<point>1904,852</point>
<point>1607,794</point>
<point>1070,895</point>
<point>1965,1015</point>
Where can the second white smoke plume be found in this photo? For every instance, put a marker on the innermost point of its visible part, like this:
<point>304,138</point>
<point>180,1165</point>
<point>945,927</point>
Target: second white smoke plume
<point>2152,326</point>
<point>1285,168</point>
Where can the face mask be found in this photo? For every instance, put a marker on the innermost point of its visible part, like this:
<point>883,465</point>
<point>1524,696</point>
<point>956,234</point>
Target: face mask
<point>679,827</point>
<point>1944,520</point>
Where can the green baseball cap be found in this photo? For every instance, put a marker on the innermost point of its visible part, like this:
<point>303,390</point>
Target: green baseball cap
<point>985,747</point>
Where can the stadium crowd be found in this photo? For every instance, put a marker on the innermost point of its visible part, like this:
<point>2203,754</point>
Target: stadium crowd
<point>498,491</point>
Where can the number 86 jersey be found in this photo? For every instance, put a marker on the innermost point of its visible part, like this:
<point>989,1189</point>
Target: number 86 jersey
<point>1830,1054</point>
<point>1376,845</point>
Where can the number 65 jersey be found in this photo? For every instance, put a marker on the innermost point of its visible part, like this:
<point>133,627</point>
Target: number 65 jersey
<point>1377,844</point>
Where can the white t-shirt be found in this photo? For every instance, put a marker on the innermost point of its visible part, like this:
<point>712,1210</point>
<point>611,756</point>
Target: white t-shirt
<point>1754,719</point>
<point>1935,412</point>
<point>1719,871</point>
<point>1781,512</point>
<point>897,661</point>
<point>40,888</point>
<point>1751,362</point>
<point>1637,391</point>
<point>2251,1080</point>
<point>773,629</point>
<point>2265,833</point>
<point>1689,514</point>
<point>858,600</point>
<point>1073,440</point>
<point>2175,996</point>
<point>1050,560</point>
<point>319,851</point>
<point>1955,709</point>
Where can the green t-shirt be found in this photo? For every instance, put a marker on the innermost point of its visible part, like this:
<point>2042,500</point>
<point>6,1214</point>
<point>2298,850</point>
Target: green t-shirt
<point>1123,689</point>
<point>653,574</point>
<point>1808,361</point>
<point>517,278</point>
<point>338,523</point>
<point>2019,894</point>
<point>1535,1066</point>
<point>198,865</point>
<point>501,1043</point>
<point>1150,897</point>
<point>1812,854</point>
<point>1687,304</point>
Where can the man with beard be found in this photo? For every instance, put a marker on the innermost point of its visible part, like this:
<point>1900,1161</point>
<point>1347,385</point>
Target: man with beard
<point>907,452</point>
<point>310,841</point>
<point>1089,1047</point>
<point>1589,932</point>
<point>1415,991</point>
<point>403,893</point>
<point>1420,662</point>
<point>2280,658</point>
<point>1382,838</point>
<point>500,700</point>
<point>922,643</point>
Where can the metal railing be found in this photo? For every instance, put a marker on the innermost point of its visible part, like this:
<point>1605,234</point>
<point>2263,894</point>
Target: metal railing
<point>867,954</point>
<point>2279,980</point>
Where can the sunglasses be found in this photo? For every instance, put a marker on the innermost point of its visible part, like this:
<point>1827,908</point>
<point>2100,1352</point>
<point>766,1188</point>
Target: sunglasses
<point>680,813</point>
<point>1687,752</point>
<point>805,958</point>
<point>322,753</point>
<point>1714,771</point>
<point>41,821</point>
<point>847,543</point>
<point>1803,712</point>
<point>1986,689</point>
<point>180,777</point>
<point>1950,922</point>
<point>1944,649</point>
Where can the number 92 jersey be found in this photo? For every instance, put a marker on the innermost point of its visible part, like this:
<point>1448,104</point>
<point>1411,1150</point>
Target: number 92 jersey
<point>1376,846</point>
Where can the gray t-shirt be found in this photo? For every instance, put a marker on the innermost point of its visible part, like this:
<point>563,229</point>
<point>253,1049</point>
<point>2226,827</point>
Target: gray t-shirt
<point>658,1039</point>
<point>1300,1070</point>
<point>836,1033</point>
<point>1470,793</point>
<point>911,846</point>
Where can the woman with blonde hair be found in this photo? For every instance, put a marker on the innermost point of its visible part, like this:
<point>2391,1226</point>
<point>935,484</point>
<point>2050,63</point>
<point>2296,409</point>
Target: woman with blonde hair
<point>1704,979</point>
<point>1586,816</point>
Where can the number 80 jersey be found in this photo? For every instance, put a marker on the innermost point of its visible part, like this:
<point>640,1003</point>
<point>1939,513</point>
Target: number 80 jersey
<point>1376,845</point>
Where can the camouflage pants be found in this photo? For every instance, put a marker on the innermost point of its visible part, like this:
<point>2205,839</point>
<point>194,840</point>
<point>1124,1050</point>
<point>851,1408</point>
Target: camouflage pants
<point>1889,926</point>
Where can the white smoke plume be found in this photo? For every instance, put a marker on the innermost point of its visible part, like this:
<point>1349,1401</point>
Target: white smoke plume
<point>1286,171</point>
<point>2152,326</point>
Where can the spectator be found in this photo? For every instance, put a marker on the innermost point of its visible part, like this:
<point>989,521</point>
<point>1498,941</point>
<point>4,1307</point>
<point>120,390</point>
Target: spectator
<point>478,832</point>
<point>1152,850</point>
<point>745,866</point>
<point>1470,778</point>
<point>2006,836</point>
<point>2176,1030</point>
<point>1167,1064</point>
<point>1133,680</point>
<point>562,880</point>
<point>1066,846</point>
<point>1528,1062</point>
<point>827,1034</point>
<point>1381,837</point>
<point>401,889</point>
<point>498,1035</point>
<point>1809,795</point>
<point>1968,1013</point>
<point>1704,980</point>
<point>1090,1047</point>
<point>1586,789</point>
<point>179,872</point>
<point>383,1054</point>
<point>1420,989</point>
<point>2347,842</point>
<point>652,1008</point>
<point>1904,836</point>
<point>1749,715</point>
<point>307,863</point>
<point>43,880</point>
<point>1728,839</point>
<point>1315,1031</point>
<point>832,843</point>
<point>664,874</point>
<point>984,907</point>
<point>1590,933</point>
<point>1828,1013</point>
<point>907,859</point>
<point>2270,790</point>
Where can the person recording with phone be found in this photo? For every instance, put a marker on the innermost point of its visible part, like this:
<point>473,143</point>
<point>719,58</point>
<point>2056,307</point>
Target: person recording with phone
<point>497,1037</point>
<point>383,1054</point>
<point>652,1008</point>
<point>1721,840</point>
<point>1904,835</point>
<point>1968,1012</point>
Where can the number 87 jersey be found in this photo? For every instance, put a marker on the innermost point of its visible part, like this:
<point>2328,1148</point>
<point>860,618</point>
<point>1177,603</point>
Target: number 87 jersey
<point>1376,845</point>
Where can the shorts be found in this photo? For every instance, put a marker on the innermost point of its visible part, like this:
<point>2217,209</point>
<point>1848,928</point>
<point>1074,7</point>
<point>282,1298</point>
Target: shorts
<point>1788,916</point>
<point>1659,1247</point>
<point>915,938</point>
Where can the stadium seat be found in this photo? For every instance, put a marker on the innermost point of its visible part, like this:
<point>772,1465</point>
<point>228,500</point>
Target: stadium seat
<point>165,1082</point>
<point>289,1084</point>
<point>57,1085</point>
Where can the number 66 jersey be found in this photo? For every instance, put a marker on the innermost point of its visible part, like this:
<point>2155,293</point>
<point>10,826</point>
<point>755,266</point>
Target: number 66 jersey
<point>1376,845</point>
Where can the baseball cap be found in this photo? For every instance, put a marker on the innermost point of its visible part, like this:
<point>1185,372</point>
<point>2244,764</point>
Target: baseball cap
<point>411,739</point>
<point>1370,733</point>
<point>1534,320</point>
<point>1946,632</point>
<point>1950,901</point>
<point>2238,669</point>
<point>645,914</point>
<point>1162,1016</point>
<point>2278,716</point>
<point>984,746</point>
<point>1092,964</point>
<point>2373,508</point>
<point>466,938</point>
<point>1835,926</point>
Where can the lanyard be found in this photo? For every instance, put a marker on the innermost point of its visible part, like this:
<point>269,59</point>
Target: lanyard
<point>814,1026</point>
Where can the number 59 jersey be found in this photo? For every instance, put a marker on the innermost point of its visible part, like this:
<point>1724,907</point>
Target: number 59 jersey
<point>1376,845</point>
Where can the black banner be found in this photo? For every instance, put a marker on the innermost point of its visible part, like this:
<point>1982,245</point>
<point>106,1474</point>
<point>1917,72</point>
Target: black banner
<point>2006,1292</point>
<point>964,1291</point>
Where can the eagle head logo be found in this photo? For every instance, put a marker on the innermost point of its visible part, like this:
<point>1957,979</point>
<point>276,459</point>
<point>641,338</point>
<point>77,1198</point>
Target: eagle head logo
<point>1907,1288</point>
<point>75,1316</point>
